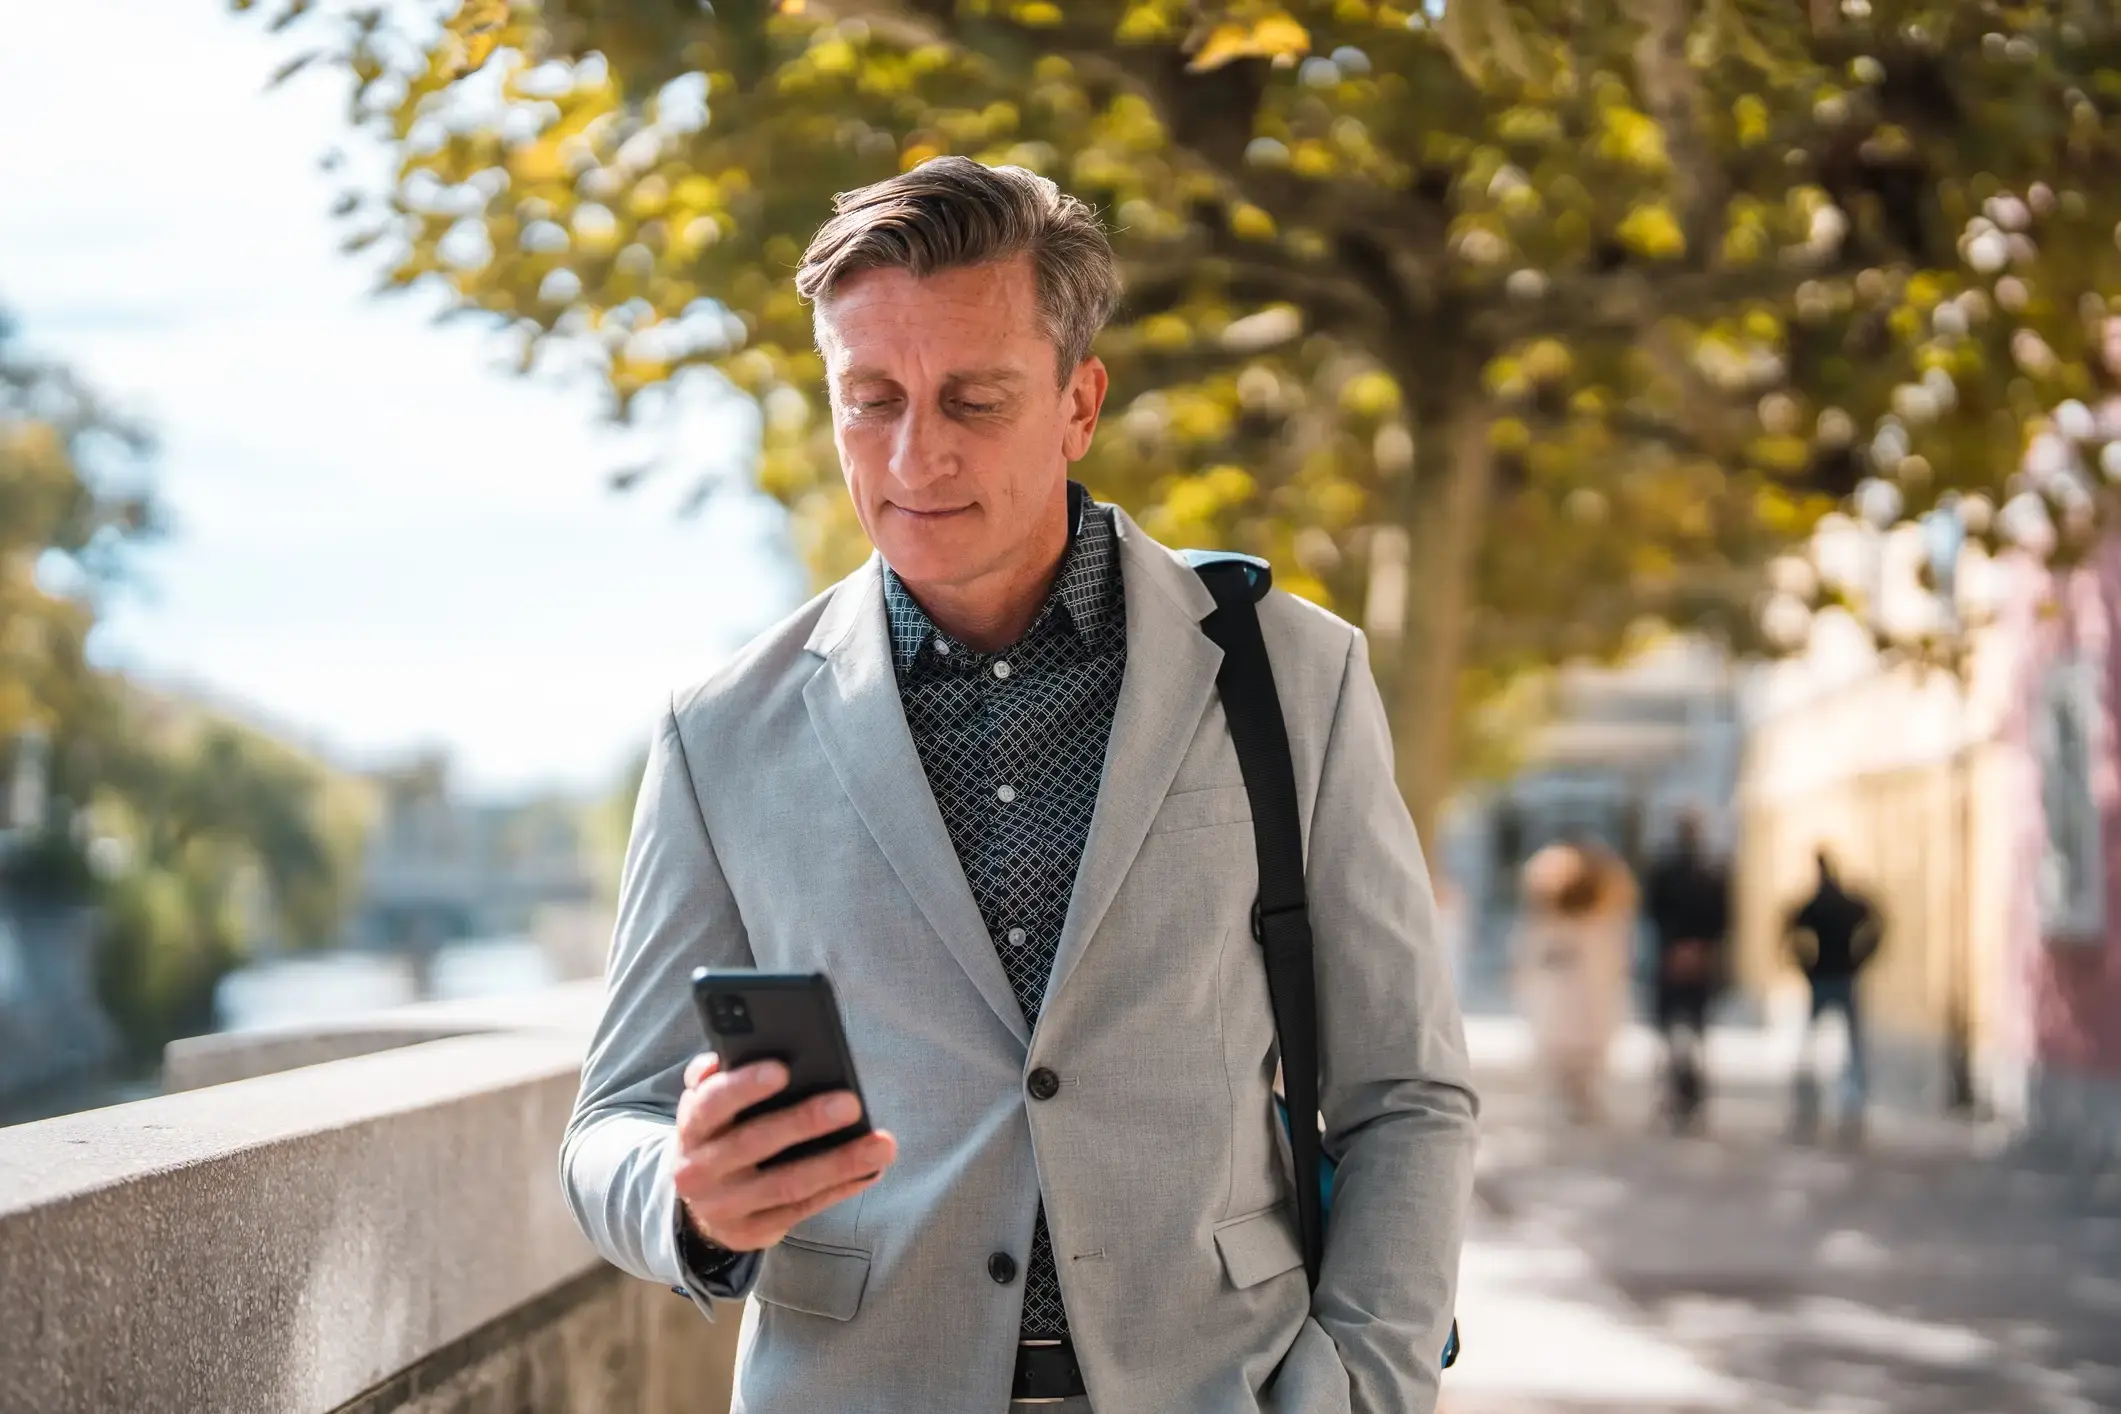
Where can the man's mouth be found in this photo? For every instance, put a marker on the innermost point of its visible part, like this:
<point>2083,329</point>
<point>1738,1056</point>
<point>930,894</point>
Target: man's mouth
<point>939,513</point>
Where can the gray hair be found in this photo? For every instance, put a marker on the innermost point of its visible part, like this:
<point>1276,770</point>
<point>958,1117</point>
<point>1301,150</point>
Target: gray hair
<point>950,213</point>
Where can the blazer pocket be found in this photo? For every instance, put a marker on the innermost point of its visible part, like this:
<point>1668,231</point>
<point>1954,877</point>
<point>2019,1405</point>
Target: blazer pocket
<point>822,1281</point>
<point>1258,1246</point>
<point>1195,809</point>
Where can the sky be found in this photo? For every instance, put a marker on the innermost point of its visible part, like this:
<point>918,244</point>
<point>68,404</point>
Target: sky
<point>383,541</point>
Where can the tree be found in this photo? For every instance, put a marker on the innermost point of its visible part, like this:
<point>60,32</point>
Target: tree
<point>1501,326</point>
<point>215,837</point>
<point>67,516</point>
<point>191,833</point>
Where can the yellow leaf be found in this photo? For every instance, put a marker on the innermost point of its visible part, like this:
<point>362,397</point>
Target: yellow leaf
<point>834,56</point>
<point>1653,230</point>
<point>1166,332</point>
<point>1371,394</point>
<point>1143,24</point>
<point>1752,115</point>
<point>1037,14</point>
<point>1252,223</point>
<point>1273,37</point>
<point>1224,43</point>
<point>1279,34</point>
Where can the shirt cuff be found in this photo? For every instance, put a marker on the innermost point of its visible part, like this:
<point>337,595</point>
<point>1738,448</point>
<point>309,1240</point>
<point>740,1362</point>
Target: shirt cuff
<point>711,1270</point>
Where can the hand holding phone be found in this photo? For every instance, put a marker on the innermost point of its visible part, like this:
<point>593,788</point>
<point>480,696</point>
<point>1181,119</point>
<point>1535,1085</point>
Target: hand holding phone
<point>772,1128</point>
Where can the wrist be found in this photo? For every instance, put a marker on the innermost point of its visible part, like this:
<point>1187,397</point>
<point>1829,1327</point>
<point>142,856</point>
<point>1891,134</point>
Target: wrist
<point>704,1244</point>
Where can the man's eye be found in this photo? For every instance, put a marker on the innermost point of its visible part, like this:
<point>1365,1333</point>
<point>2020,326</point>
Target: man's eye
<point>976,409</point>
<point>873,404</point>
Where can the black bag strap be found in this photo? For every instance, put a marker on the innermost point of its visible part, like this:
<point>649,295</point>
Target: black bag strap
<point>1281,920</point>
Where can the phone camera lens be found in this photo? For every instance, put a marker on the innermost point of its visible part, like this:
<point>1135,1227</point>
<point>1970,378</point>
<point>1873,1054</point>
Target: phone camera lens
<point>732,1017</point>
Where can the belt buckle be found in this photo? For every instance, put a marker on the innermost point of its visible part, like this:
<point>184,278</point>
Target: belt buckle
<point>1043,1346</point>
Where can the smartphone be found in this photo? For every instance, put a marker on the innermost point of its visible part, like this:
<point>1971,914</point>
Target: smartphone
<point>791,1017</point>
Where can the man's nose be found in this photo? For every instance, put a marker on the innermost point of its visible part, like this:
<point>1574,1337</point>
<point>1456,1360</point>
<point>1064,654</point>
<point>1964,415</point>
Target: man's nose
<point>920,453</point>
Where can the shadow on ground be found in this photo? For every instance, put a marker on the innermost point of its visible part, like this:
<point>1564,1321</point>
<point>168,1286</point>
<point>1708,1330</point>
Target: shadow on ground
<point>1910,1275</point>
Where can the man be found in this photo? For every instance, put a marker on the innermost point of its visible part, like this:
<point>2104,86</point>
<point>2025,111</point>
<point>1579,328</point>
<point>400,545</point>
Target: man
<point>986,784</point>
<point>1688,901</point>
<point>1833,935</point>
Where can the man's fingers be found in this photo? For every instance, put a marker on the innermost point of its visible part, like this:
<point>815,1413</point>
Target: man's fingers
<point>779,1220</point>
<point>792,1185</point>
<point>754,1142</point>
<point>724,1202</point>
<point>707,1109</point>
<point>701,1066</point>
<point>763,1229</point>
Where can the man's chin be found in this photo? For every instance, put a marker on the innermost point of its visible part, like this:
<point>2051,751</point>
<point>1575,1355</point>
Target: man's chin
<point>930,552</point>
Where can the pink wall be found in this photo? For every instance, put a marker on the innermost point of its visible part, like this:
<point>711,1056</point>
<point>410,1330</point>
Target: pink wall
<point>2070,989</point>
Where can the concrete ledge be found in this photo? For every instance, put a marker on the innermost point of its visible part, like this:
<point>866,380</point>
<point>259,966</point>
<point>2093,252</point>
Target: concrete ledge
<point>283,1244</point>
<point>198,1061</point>
<point>602,1343</point>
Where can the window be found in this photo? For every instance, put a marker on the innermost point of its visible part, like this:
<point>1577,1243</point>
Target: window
<point>2072,879</point>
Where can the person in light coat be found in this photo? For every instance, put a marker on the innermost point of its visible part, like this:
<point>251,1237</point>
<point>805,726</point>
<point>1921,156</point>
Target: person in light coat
<point>1575,935</point>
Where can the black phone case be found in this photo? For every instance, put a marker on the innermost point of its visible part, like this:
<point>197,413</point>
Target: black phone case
<point>794,1019</point>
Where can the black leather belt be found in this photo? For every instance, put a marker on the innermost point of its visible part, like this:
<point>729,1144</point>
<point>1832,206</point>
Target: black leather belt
<point>1046,1373</point>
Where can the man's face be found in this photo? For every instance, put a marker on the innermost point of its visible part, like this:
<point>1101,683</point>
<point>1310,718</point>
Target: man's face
<point>953,431</point>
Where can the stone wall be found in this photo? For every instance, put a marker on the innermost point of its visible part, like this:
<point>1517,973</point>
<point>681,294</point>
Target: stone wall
<point>601,1344</point>
<point>378,1233</point>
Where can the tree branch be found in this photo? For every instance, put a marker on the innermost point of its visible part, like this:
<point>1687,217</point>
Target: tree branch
<point>1625,303</point>
<point>1671,90</point>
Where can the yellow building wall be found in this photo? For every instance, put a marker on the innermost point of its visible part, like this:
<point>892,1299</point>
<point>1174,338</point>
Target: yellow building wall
<point>1876,774</point>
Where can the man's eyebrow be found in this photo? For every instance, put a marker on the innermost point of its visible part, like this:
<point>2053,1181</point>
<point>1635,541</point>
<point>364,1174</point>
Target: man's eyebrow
<point>999,374</point>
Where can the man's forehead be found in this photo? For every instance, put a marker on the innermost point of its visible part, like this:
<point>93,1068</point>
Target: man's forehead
<point>977,321</point>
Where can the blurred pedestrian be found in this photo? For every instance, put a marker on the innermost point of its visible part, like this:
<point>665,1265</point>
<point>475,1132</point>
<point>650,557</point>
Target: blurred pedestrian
<point>1688,900</point>
<point>1574,938</point>
<point>1833,935</point>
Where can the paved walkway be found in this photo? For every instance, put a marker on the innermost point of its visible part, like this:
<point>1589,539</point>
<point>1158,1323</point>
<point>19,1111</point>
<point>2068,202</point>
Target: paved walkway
<point>1925,1273</point>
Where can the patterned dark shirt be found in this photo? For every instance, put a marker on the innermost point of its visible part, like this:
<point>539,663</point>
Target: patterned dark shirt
<point>1013,744</point>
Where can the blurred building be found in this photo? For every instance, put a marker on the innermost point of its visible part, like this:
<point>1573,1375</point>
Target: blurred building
<point>1985,822</point>
<point>442,869</point>
<point>1628,748</point>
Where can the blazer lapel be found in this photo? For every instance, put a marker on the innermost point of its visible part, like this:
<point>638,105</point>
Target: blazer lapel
<point>1170,676</point>
<point>854,705</point>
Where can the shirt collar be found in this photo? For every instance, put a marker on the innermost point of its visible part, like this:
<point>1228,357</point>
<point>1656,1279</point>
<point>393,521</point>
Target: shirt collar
<point>1082,596</point>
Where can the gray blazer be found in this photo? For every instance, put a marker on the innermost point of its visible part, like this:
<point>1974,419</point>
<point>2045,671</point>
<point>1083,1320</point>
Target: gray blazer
<point>785,823</point>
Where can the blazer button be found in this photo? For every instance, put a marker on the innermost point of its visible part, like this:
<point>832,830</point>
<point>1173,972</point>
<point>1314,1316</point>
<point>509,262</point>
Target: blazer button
<point>1002,1267</point>
<point>1043,1084</point>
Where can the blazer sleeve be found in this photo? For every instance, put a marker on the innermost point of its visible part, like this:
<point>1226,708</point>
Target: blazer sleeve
<point>1395,1085</point>
<point>675,913</point>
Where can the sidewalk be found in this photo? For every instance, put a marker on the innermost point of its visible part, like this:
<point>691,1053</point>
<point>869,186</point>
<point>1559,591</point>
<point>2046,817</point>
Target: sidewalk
<point>1623,1269</point>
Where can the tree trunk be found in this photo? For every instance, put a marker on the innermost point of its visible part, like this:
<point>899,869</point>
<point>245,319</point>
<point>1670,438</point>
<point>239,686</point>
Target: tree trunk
<point>1418,657</point>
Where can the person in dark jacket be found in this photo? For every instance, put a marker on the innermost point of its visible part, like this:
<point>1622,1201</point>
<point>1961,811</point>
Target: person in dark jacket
<point>1833,935</point>
<point>1688,899</point>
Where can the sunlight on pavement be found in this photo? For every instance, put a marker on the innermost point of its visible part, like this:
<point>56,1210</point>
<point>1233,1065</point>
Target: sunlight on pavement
<point>1555,1332</point>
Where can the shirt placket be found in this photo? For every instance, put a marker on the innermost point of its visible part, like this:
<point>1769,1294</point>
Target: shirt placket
<point>1011,867</point>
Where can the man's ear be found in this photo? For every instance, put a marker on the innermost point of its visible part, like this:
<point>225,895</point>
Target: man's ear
<point>1086,399</point>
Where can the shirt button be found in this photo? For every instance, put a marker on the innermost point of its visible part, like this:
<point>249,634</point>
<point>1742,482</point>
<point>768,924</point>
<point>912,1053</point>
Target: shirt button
<point>1016,937</point>
<point>1002,1267</point>
<point>942,648</point>
<point>1001,670</point>
<point>1043,1084</point>
<point>1005,794</point>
